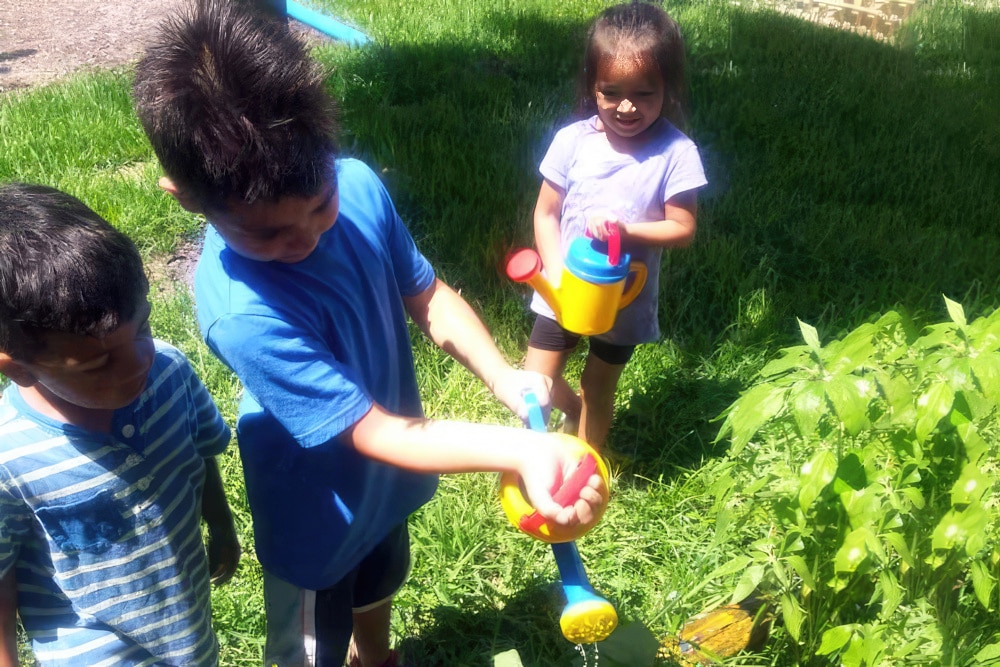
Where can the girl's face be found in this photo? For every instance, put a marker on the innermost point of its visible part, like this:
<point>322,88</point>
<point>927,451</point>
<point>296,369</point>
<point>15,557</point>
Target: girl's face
<point>630,95</point>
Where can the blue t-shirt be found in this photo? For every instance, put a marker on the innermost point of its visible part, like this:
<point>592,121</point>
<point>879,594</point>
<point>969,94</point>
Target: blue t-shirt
<point>103,530</point>
<point>632,187</point>
<point>315,343</point>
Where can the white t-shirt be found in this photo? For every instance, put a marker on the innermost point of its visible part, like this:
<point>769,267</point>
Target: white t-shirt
<point>599,180</point>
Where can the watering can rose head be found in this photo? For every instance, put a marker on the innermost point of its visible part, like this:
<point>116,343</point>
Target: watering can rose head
<point>524,517</point>
<point>591,289</point>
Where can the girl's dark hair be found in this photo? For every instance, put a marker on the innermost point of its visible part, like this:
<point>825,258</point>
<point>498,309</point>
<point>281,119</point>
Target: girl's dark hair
<point>234,106</point>
<point>640,31</point>
<point>63,268</point>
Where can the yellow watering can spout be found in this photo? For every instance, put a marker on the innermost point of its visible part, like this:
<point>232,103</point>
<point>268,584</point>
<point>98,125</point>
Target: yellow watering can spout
<point>525,266</point>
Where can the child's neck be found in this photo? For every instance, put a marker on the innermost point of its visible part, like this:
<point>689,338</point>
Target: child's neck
<point>42,400</point>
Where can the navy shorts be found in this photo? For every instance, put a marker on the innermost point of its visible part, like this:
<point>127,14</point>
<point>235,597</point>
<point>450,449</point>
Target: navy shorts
<point>548,335</point>
<point>313,628</point>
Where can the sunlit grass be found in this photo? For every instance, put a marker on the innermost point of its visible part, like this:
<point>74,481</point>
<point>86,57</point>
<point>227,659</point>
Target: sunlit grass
<point>847,176</point>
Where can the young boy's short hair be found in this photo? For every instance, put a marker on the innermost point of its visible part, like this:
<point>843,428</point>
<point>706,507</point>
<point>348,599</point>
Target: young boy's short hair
<point>242,123</point>
<point>62,269</point>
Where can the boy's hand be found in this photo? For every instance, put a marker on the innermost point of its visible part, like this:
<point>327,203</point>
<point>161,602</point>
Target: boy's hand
<point>223,547</point>
<point>512,386</point>
<point>551,463</point>
<point>223,551</point>
<point>8,618</point>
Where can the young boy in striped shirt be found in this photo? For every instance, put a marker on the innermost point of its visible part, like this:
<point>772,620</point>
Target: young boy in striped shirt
<point>107,441</point>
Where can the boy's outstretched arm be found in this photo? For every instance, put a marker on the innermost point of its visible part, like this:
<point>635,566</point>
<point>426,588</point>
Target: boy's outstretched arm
<point>8,619</point>
<point>425,445</point>
<point>223,546</point>
<point>453,325</point>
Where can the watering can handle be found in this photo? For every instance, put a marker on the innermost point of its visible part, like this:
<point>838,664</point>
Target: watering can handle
<point>565,493</point>
<point>536,420</point>
<point>614,244</point>
<point>570,487</point>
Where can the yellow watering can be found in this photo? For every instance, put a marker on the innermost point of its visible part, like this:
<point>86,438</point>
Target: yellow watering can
<point>592,288</point>
<point>587,617</point>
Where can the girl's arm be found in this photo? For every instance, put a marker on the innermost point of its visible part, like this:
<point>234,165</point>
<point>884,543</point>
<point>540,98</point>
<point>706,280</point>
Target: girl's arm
<point>676,230</point>
<point>548,213</point>
<point>431,446</point>
<point>8,619</point>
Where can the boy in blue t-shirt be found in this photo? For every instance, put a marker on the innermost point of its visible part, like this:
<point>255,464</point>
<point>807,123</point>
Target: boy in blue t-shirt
<point>304,286</point>
<point>107,441</point>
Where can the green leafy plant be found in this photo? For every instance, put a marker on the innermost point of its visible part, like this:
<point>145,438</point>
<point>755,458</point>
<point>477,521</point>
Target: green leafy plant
<point>875,459</point>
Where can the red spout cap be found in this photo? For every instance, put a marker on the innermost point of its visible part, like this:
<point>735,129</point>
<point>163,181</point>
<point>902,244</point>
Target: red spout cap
<point>523,265</point>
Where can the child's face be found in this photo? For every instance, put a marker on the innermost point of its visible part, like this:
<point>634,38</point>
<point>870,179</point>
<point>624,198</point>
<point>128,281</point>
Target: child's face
<point>96,373</point>
<point>629,95</point>
<point>287,230</point>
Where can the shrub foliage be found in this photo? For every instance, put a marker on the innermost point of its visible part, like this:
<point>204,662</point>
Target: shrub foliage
<point>874,458</point>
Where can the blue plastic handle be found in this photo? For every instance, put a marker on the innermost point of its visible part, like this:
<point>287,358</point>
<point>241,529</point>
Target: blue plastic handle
<point>536,420</point>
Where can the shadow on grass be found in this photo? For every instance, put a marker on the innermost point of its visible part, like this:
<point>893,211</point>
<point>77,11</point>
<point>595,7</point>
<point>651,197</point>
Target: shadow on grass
<point>528,625</point>
<point>847,177</point>
<point>667,425</point>
<point>470,635</point>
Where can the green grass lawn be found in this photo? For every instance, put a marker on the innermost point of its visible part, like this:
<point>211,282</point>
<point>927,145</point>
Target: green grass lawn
<point>847,178</point>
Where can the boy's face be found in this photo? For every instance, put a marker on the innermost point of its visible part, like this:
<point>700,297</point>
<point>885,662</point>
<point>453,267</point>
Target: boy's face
<point>287,230</point>
<point>95,373</point>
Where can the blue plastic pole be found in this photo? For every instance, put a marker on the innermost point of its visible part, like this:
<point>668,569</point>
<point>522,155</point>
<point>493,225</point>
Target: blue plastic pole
<point>327,25</point>
<point>586,613</point>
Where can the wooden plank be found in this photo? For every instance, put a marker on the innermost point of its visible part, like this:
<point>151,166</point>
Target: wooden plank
<point>853,8</point>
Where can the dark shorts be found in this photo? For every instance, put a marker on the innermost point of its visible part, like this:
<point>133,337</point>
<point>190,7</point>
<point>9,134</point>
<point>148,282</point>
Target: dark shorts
<point>548,335</point>
<point>313,628</point>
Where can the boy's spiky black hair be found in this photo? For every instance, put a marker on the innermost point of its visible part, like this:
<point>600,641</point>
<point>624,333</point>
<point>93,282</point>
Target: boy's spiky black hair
<point>234,106</point>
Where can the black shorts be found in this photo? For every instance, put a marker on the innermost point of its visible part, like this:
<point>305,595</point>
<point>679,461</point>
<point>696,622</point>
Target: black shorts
<point>313,628</point>
<point>548,335</point>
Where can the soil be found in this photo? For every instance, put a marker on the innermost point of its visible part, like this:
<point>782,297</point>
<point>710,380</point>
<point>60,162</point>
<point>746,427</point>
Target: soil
<point>44,40</point>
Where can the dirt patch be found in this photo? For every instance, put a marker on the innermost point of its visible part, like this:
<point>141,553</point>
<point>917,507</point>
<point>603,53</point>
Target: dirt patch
<point>878,19</point>
<point>177,268</point>
<point>44,40</point>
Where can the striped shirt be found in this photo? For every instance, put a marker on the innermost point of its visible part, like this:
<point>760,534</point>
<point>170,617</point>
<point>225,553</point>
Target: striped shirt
<point>104,531</point>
